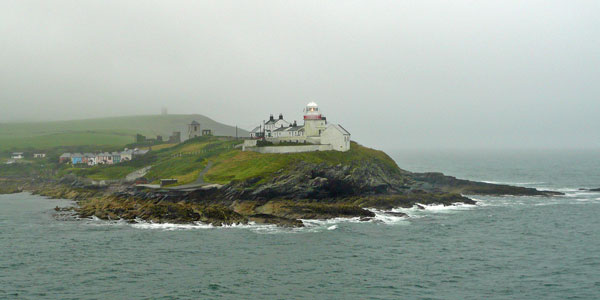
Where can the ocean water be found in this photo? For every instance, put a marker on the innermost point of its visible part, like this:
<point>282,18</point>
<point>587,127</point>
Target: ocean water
<point>501,248</point>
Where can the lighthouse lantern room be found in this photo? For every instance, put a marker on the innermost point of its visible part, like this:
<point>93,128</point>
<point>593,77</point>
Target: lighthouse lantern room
<point>311,112</point>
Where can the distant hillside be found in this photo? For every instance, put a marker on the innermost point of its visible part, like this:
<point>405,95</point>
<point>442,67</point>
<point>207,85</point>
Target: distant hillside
<point>103,131</point>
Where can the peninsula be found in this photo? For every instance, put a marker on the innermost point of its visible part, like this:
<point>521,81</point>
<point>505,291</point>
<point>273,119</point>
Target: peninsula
<point>280,175</point>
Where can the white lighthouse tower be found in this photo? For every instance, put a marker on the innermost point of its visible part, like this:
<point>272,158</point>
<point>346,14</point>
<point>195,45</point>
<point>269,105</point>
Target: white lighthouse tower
<point>314,122</point>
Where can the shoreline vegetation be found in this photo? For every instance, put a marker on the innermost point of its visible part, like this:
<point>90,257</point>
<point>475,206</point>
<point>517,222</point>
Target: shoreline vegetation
<point>239,187</point>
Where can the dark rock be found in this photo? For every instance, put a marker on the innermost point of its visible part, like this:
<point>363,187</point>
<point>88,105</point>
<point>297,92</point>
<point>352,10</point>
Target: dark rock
<point>442,183</point>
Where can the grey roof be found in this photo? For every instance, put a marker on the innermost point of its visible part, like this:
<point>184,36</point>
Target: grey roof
<point>270,122</point>
<point>281,128</point>
<point>77,155</point>
<point>89,154</point>
<point>296,128</point>
<point>65,155</point>
<point>195,123</point>
<point>340,128</point>
<point>257,129</point>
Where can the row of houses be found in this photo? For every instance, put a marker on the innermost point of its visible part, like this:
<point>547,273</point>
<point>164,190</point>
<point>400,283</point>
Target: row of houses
<point>102,158</point>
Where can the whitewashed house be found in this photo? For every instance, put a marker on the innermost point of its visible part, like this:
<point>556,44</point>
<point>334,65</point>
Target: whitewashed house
<point>257,132</point>
<point>274,124</point>
<point>336,136</point>
<point>39,155</point>
<point>127,155</point>
<point>104,158</point>
<point>17,155</point>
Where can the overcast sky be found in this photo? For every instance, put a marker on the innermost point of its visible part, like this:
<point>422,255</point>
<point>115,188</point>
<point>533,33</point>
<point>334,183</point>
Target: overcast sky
<point>397,74</point>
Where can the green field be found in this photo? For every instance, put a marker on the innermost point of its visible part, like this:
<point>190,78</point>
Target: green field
<point>115,131</point>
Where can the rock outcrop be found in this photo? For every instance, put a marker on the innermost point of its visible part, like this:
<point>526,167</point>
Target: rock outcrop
<point>303,190</point>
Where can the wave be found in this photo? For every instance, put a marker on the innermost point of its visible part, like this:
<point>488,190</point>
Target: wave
<point>171,226</point>
<point>310,225</point>
<point>512,183</point>
<point>387,218</point>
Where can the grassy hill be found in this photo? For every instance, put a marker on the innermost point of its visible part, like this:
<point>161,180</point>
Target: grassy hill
<point>114,131</point>
<point>185,161</point>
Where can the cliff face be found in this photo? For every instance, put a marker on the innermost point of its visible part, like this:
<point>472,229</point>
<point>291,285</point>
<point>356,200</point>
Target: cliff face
<point>321,181</point>
<point>361,179</point>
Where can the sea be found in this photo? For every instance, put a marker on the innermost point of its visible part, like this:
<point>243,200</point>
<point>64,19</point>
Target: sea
<point>501,248</point>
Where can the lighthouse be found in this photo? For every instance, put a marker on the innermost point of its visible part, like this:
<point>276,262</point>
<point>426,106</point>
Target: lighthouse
<point>314,122</point>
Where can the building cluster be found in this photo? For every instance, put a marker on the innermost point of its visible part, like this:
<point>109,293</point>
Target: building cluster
<point>315,130</point>
<point>17,156</point>
<point>175,138</point>
<point>194,130</point>
<point>102,158</point>
<point>21,155</point>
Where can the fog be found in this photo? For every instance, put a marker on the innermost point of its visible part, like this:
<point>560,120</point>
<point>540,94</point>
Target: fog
<point>396,74</point>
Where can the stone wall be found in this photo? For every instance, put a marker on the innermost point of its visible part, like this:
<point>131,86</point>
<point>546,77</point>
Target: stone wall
<point>248,144</point>
<point>289,149</point>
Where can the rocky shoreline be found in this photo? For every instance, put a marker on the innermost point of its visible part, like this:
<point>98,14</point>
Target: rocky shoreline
<point>308,191</point>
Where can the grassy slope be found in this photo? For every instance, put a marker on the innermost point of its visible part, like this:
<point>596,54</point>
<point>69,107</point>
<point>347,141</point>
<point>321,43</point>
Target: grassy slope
<point>186,160</point>
<point>237,165</point>
<point>105,131</point>
<point>182,162</point>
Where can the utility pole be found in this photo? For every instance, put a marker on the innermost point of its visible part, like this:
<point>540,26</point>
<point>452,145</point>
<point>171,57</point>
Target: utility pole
<point>236,132</point>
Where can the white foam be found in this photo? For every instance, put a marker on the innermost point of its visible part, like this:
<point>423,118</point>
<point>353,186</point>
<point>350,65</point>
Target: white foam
<point>564,189</point>
<point>171,226</point>
<point>512,183</point>
<point>334,227</point>
<point>327,222</point>
<point>383,217</point>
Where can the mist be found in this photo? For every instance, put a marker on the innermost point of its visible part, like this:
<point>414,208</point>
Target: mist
<point>396,74</point>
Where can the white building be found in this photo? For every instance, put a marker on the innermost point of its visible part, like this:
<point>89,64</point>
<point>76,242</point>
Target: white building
<point>17,155</point>
<point>269,127</point>
<point>315,131</point>
<point>194,130</point>
<point>39,155</point>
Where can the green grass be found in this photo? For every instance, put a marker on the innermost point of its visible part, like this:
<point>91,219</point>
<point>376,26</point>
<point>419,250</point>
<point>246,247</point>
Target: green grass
<point>106,172</point>
<point>237,165</point>
<point>183,162</point>
<point>186,160</point>
<point>115,131</point>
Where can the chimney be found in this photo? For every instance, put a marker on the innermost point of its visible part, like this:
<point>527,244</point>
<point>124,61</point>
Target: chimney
<point>295,124</point>
<point>271,118</point>
<point>280,116</point>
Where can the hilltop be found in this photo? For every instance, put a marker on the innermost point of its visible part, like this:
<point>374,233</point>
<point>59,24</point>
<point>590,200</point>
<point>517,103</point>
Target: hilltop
<point>114,131</point>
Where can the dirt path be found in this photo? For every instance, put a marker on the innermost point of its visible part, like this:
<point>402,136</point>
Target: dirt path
<point>198,183</point>
<point>200,179</point>
<point>137,174</point>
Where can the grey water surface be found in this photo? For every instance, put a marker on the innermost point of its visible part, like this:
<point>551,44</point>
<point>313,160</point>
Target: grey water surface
<point>502,248</point>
